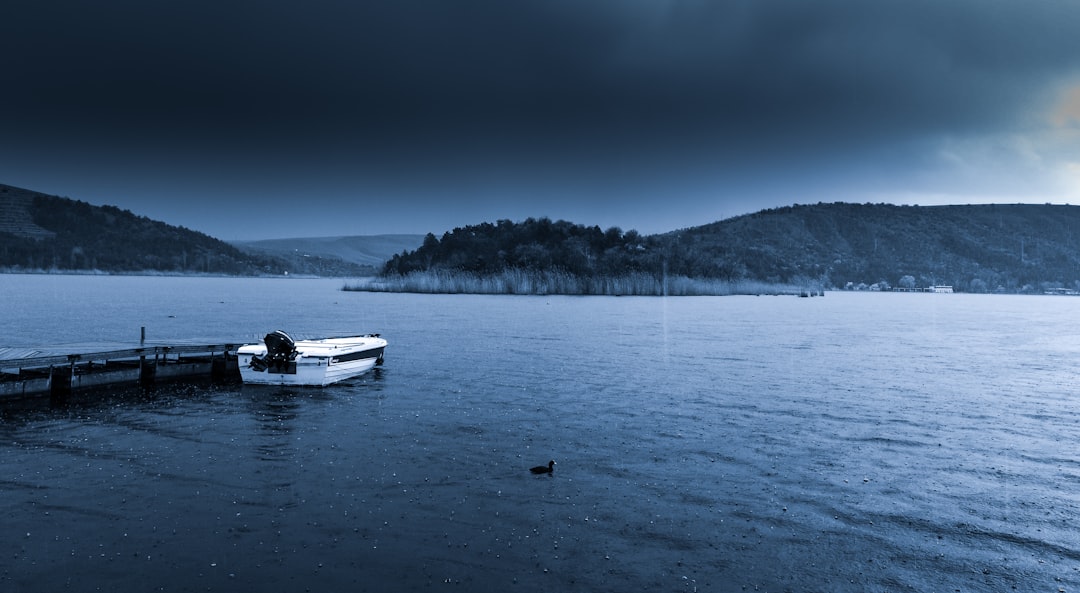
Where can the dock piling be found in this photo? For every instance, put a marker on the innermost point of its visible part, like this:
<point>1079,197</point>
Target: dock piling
<point>147,372</point>
<point>60,381</point>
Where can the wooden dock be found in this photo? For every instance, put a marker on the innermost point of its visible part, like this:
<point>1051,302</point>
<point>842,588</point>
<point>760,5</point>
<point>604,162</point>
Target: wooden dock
<point>60,372</point>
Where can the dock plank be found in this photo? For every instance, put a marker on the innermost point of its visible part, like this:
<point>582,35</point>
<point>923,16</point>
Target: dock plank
<point>59,371</point>
<point>31,358</point>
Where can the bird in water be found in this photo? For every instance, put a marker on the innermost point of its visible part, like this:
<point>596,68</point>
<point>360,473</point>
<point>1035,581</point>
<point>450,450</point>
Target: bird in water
<point>543,469</point>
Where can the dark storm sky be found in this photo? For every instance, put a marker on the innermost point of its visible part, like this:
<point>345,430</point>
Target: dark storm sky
<point>265,119</point>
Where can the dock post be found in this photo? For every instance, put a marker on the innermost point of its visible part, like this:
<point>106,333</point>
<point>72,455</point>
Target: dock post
<point>217,367</point>
<point>142,335</point>
<point>147,372</point>
<point>60,381</point>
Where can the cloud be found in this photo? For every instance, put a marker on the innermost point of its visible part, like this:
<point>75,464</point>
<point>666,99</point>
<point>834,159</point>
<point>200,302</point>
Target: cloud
<point>561,100</point>
<point>1067,112</point>
<point>682,67</point>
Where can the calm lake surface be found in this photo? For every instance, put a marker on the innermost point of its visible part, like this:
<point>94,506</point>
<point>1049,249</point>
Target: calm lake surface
<point>856,442</point>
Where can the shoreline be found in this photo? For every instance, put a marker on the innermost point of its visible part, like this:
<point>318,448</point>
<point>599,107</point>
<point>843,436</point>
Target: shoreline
<point>522,282</point>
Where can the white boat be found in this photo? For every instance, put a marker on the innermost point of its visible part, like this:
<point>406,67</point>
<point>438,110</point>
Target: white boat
<point>279,360</point>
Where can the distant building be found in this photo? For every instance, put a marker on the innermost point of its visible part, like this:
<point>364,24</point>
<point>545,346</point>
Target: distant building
<point>940,288</point>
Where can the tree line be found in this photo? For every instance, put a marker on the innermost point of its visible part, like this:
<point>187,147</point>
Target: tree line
<point>984,248</point>
<point>108,239</point>
<point>536,244</point>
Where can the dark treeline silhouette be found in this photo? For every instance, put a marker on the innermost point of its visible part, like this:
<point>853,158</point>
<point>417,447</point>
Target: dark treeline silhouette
<point>984,248</point>
<point>539,256</point>
<point>54,233</point>
<point>535,245</point>
<point>974,248</point>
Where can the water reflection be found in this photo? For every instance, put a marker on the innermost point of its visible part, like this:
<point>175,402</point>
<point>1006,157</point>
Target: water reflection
<point>275,410</point>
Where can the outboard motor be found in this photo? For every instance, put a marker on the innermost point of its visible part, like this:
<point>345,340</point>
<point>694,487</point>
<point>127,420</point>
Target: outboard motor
<point>280,344</point>
<point>280,351</point>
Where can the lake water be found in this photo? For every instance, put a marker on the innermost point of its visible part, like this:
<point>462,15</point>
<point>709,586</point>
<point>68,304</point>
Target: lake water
<point>856,442</point>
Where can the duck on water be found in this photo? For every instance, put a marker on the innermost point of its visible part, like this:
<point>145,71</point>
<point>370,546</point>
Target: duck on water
<point>544,469</point>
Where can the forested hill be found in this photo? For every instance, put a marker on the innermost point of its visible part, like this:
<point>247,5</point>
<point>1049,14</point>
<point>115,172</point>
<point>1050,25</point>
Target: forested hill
<point>1006,248</point>
<point>975,248</point>
<point>1009,248</point>
<point>366,251</point>
<point>42,232</point>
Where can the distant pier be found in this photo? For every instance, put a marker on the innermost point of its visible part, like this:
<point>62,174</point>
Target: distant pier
<point>26,373</point>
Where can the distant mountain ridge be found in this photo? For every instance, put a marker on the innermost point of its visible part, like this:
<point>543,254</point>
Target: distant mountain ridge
<point>40,232</point>
<point>978,248</point>
<point>363,250</point>
<point>974,248</point>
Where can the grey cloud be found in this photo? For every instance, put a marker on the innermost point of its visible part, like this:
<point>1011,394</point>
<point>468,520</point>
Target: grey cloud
<point>749,67</point>
<point>634,92</point>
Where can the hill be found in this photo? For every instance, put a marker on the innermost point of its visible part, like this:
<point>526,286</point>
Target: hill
<point>370,251</point>
<point>1004,248</point>
<point>975,248</point>
<point>42,232</point>
<point>1001,248</point>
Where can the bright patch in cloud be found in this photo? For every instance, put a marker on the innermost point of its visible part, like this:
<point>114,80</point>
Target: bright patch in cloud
<point>1064,140</point>
<point>1067,113</point>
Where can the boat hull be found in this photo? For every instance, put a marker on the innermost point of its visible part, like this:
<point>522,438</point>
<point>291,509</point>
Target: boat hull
<point>316,363</point>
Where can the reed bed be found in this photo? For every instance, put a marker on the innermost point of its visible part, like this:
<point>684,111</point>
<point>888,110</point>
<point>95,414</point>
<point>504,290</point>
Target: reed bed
<point>528,282</point>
